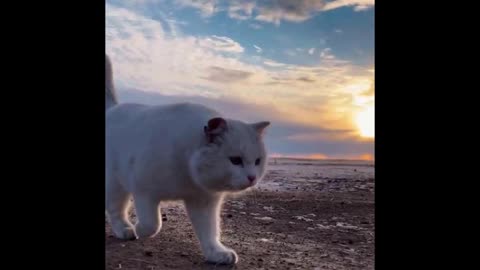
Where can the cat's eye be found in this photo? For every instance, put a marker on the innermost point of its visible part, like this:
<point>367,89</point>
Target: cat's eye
<point>236,160</point>
<point>257,162</point>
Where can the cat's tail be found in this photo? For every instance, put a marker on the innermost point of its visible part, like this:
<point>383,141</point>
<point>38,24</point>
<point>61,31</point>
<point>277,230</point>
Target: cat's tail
<point>110,98</point>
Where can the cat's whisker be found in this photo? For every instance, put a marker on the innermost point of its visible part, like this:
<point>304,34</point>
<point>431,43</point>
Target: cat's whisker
<point>254,190</point>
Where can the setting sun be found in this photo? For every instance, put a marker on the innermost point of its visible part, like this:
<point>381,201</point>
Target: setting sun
<point>365,121</point>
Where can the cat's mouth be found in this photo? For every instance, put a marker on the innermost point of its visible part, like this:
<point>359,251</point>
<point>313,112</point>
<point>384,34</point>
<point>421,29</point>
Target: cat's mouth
<point>237,187</point>
<point>249,184</point>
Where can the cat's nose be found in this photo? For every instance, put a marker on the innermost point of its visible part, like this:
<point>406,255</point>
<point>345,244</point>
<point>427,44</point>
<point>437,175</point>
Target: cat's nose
<point>251,178</point>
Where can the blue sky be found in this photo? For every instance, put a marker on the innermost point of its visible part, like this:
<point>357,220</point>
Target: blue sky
<point>306,65</point>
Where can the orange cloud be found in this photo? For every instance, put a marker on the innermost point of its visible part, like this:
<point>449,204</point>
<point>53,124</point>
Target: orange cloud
<point>302,156</point>
<point>366,156</point>
<point>316,156</point>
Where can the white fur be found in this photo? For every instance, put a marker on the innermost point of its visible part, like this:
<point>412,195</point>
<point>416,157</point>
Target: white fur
<point>157,153</point>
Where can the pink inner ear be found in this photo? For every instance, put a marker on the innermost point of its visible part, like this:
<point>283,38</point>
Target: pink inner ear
<point>215,123</point>
<point>215,127</point>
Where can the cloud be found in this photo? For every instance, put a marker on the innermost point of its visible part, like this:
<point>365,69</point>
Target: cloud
<point>290,52</point>
<point>224,44</point>
<point>284,137</point>
<point>329,148</point>
<point>302,100</point>
<point>229,106</point>
<point>366,156</point>
<point>147,57</point>
<point>273,63</point>
<point>258,49</point>
<point>311,51</point>
<point>306,79</point>
<point>370,91</point>
<point>299,156</point>
<point>272,11</point>
<point>331,135</point>
<point>358,5</point>
<point>288,10</point>
<point>316,156</point>
<point>223,75</point>
<point>206,7</point>
<point>255,26</point>
<point>241,10</point>
<point>326,54</point>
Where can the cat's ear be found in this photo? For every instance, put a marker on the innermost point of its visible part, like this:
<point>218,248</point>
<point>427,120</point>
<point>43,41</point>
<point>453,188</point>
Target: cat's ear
<point>215,127</point>
<point>260,126</point>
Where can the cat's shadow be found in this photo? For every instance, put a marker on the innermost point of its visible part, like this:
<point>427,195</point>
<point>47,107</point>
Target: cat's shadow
<point>209,266</point>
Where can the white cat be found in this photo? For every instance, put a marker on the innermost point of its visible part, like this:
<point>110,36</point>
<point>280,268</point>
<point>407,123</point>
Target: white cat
<point>177,152</point>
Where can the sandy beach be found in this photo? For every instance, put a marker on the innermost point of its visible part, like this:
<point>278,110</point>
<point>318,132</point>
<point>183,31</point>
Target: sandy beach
<point>306,214</point>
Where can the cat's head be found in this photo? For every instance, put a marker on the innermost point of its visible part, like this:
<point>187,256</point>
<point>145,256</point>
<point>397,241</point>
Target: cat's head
<point>233,158</point>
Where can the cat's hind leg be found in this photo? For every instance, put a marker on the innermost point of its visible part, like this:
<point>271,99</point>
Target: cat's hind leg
<point>117,202</point>
<point>148,214</point>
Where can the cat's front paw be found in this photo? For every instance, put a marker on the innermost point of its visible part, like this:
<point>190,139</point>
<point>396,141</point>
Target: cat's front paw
<point>125,233</point>
<point>146,231</point>
<point>221,256</point>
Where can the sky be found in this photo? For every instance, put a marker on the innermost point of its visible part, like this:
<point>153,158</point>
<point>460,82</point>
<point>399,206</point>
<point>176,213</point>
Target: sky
<point>307,66</point>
